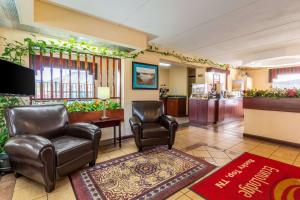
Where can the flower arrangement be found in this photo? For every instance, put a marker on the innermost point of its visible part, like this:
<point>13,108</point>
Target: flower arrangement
<point>90,106</point>
<point>273,93</point>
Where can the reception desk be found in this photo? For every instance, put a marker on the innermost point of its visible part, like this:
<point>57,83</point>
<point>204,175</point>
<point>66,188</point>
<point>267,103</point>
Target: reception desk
<point>272,119</point>
<point>209,111</point>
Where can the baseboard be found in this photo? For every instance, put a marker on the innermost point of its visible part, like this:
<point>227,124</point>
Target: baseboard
<point>271,140</point>
<point>111,141</point>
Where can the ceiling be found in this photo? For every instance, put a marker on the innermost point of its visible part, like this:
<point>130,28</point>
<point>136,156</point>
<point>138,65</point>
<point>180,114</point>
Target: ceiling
<point>238,32</point>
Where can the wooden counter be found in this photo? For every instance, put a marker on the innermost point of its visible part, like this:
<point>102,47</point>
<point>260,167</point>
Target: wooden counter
<point>176,106</point>
<point>202,111</point>
<point>272,119</point>
<point>208,111</point>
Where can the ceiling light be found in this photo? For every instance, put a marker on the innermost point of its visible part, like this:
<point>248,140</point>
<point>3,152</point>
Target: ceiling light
<point>164,64</point>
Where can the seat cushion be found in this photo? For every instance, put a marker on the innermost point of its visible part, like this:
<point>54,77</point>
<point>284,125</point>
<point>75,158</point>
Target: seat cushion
<point>68,148</point>
<point>154,130</point>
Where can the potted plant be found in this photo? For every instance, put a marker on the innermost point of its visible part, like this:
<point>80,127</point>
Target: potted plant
<point>85,111</point>
<point>4,103</point>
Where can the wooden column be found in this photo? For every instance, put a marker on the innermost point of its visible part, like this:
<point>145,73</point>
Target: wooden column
<point>51,74</point>
<point>70,75</point>
<point>94,75</point>
<point>78,69</point>
<point>113,79</point>
<point>41,69</point>
<point>86,76</point>
<point>107,69</point>
<point>100,70</point>
<point>61,81</point>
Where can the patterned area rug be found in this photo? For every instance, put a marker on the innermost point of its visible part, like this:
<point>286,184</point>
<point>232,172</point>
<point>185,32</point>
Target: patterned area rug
<point>154,174</point>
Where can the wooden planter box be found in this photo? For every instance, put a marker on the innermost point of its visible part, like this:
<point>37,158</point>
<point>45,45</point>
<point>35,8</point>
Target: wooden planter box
<point>272,104</point>
<point>89,116</point>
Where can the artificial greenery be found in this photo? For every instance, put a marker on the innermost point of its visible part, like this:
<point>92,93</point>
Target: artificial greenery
<point>186,59</point>
<point>15,50</point>
<point>90,106</point>
<point>273,93</point>
<point>4,103</point>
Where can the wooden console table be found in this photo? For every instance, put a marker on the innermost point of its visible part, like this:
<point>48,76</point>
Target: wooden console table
<point>110,122</point>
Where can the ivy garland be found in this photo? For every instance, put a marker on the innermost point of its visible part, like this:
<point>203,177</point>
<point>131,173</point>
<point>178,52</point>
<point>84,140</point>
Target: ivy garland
<point>14,51</point>
<point>187,59</point>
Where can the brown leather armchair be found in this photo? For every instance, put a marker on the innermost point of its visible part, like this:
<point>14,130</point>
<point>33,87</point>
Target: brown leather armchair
<point>43,146</point>
<point>150,126</point>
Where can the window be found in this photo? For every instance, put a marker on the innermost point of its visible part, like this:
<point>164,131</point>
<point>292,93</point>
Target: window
<point>61,78</point>
<point>286,81</point>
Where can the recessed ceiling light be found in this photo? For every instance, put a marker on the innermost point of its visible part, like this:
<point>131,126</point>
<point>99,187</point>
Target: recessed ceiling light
<point>164,64</point>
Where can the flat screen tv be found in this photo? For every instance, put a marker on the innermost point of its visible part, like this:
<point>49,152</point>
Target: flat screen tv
<point>16,80</point>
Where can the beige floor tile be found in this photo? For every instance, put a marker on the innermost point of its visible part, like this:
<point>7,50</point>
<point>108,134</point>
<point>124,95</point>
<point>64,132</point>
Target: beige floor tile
<point>297,163</point>
<point>183,197</point>
<point>201,153</point>
<point>281,159</point>
<point>26,189</point>
<point>175,196</point>
<point>194,196</point>
<point>184,190</point>
<point>261,153</point>
<point>222,161</point>
<point>63,190</point>
<point>286,153</point>
<point>218,154</point>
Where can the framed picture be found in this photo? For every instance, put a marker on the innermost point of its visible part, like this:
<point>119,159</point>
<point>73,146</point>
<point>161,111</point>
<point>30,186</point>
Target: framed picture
<point>144,76</point>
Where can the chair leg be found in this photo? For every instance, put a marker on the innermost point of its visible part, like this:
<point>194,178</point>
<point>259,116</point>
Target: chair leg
<point>91,164</point>
<point>49,188</point>
<point>169,146</point>
<point>140,149</point>
<point>17,175</point>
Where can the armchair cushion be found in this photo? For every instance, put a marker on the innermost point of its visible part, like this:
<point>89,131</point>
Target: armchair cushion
<point>68,148</point>
<point>35,144</point>
<point>154,130</point>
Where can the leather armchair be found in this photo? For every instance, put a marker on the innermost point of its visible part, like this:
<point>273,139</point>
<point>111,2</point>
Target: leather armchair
<point>43,146</point>
<point>150,126</point>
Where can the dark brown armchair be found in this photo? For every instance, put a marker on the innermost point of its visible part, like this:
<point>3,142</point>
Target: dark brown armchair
<point>150,126</point>
<point>43,146</point>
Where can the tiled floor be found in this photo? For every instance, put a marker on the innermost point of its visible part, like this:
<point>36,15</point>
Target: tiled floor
<point>216,144</point>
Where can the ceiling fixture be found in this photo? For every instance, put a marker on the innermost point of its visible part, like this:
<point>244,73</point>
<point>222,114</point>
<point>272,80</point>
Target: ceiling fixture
<point>164,64</point>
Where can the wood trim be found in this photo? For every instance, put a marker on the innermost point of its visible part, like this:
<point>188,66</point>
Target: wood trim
<point>78,69</point>
<point>120,79</point>
<point>107,69</point>
<point>272,104</point>
<point>113,80</point>
<point>51,74</point>
<point>75,117</point>
<point>272,140</point>
<point>41,71</point>
<point>86,76</point>
<point>212,69</point>
<point>61,81</point>
<point>70,74</point>
<point>100,71</point>
<point>94,71</point>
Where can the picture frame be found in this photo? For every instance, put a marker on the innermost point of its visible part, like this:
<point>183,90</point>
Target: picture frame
<point>144,76</point>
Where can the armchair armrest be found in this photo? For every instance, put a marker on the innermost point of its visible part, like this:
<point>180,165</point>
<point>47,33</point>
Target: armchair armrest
<point>83,130</point>
<point>28,146</point>
<point>136,129</point>
<point>135,122</point>
<point>168,121</point>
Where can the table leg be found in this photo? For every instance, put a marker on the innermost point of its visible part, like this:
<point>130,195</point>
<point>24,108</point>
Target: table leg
<point>120,136</point>
<point>115,138</point>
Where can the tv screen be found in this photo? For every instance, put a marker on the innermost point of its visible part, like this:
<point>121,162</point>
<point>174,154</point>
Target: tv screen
<point>16,80</point>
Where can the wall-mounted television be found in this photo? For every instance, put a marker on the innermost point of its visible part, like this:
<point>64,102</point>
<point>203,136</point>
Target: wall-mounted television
<point>16,79</point>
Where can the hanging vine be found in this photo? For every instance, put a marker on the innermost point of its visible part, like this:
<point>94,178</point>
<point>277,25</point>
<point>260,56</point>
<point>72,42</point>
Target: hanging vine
<point>14,51</point>
<point>186,59</point>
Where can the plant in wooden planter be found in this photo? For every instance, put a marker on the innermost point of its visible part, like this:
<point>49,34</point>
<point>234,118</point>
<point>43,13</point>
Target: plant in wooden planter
<point>90,106</point>
<point>85,111</point>
<point>273,93</point>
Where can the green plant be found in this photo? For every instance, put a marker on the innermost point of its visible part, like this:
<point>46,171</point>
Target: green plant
<point>273,93</point>
<point>4,103</point>
<point>15,50</point>
<point>90,106</point>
